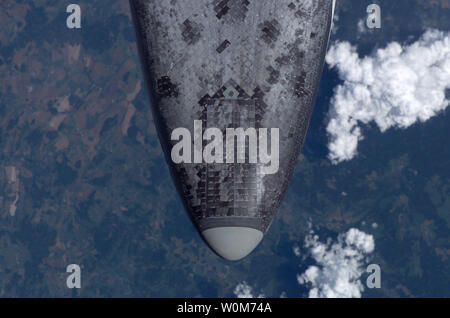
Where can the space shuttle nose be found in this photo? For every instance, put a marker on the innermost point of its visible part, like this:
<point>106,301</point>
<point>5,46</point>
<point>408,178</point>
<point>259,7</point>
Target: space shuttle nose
<point>233,243</point>
<point>232,84</point>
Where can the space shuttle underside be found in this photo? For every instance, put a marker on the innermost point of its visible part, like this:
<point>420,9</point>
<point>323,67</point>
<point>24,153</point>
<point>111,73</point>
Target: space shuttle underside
<point>232,85</point>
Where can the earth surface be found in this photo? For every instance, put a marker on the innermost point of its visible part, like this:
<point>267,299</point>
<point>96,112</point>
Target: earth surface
<point>83,179</point>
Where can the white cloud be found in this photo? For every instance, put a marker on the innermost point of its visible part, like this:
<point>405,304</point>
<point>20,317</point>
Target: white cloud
<point>361,27</point>
<point>334,23</point>
<point>339,265</point>
<point>394,87</point>
<point>243,290</point>
<point>296,250</point>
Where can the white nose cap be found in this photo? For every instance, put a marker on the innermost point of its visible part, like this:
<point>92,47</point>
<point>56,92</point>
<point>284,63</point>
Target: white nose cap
<point>232,243</point>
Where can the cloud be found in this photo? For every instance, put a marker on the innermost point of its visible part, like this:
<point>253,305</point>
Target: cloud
<point>339,265</point>
<point>361,27</point>
<point>243,290</point>
<point>296,250</point>
<point>334,23</point>
<point>393,87</point>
